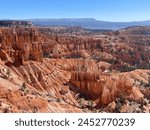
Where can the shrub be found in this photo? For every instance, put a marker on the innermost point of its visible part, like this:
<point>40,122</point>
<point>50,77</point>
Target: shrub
<point>81,103</point>
<point>90,104</point>
<point>23,86</point>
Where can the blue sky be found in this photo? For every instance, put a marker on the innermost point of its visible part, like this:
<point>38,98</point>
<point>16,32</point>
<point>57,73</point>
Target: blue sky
<point>107,10</point>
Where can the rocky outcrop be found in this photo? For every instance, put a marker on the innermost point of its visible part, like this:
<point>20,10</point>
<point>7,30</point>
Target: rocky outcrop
<point>107,88</point>
<point>14,23</point>
<point>19,45</point>
<point>35,87</point>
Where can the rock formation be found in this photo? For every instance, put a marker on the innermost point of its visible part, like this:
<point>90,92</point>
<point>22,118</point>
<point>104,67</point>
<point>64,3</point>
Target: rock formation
<point>45,71</point>
<point>19,45</point>
<point>14,23</point>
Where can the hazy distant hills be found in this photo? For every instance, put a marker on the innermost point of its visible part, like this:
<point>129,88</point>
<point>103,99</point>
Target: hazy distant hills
<point>87,23</point>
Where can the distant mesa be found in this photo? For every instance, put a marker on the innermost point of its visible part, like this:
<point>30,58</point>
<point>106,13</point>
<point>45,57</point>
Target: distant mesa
<point>15,23</point>
<point>88,23</point>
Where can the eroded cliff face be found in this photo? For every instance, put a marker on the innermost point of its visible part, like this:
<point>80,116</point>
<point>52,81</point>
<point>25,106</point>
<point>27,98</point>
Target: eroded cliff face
<point>42,72</point>
<point>35,87</point>
<point>19,45</point>
<point>108,87</point>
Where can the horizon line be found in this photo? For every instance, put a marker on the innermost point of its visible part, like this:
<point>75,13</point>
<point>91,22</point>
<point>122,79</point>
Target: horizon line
<point>26,19</point>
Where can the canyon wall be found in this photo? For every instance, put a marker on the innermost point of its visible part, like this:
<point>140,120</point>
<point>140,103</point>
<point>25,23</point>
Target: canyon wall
<point>19,45</point>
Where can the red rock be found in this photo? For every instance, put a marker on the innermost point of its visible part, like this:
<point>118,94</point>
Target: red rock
<point>44,72</point>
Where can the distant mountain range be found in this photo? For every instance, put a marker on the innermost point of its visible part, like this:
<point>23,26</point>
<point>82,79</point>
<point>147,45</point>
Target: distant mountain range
<point>88,23</point>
